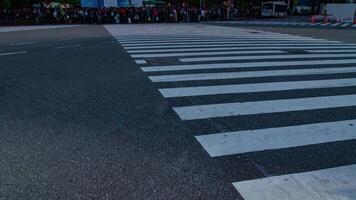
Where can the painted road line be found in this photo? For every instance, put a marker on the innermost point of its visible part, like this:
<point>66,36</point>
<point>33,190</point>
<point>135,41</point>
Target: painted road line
<point>271,37</point>
<point>266,57</point>
<point>251,74</point>
<point>66,47</point>
<point>328,184</point>
<point>332,51</point>
<point>157,55</point>
<point>246,65</point>
<point>262,107</point>
<point>236,45</point>
<point>326,24</point>
<point>229,42</point>
<point>242,35</point>
<point>247,36</point>
<point>346,25</point>
<point>354,26</point>
<point>140,62</point>
<point>223,144</point>
<point>335,24</point>
<point>23,43</point>
<point>13,53</point>
<point>236,48</point>
<point>256,87</point>
<point>220,40</point>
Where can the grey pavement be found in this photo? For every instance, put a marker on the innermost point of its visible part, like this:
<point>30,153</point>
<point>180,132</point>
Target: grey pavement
<point>80,119</point>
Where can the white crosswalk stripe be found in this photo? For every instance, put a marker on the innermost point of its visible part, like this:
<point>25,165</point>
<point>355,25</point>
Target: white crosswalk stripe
<point>265,57</point>
<point>327,184</point>
<point>326,24</point>
<point>246,65</point>
<point>336,24</point>
<point>332,51</point>
<point>263,107</point>
<point>224,42</point>
<point>209,53</point>
<point>257,87</point>
<point>288,23</point>
<point>346,24</point>
<point>139,42</point>
<point>158,52</point>
<point>230,143</point>
<point>250,74</point>
<point>235,45</point>
<point>278,64</point>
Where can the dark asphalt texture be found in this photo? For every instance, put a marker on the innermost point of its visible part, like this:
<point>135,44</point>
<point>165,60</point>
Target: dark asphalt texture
<point>86,123</point>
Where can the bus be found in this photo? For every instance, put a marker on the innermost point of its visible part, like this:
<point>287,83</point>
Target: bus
<point>274,9</point>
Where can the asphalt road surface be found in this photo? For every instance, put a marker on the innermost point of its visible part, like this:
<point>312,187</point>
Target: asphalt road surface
<point>177,111</point>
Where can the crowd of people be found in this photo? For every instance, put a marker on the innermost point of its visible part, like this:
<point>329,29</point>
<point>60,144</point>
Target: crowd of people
<point>146,14</point>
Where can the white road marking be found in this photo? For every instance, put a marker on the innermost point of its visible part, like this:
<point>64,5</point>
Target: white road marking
<point>218,40</point>
<point>237,48</point>
<point>346,24</point>
<point>246,65</point>
<point>250,37</point>
<point>66,47</point>
<point>230,42</point>
<point>326,24</point>
<point>23,43</point>
<point>335,24</point>
<point>328,184</point>
<point>354,26</point>
<point>250,74</point>
<point>157,55</point>
<point>237,45</point>
<point>13,53</point>
<point>332,51</point>
<point>262,107</point>
<point>140,62</point>
<point>223,144</point>
<point>266,57</point>
<point>256,87</point>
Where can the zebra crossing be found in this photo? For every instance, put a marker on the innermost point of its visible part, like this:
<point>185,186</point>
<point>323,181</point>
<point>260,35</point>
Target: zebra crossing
<point>272,63</point>
<point>293,23</point>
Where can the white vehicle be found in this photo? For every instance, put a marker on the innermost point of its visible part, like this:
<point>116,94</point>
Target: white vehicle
<point>274,9</point>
